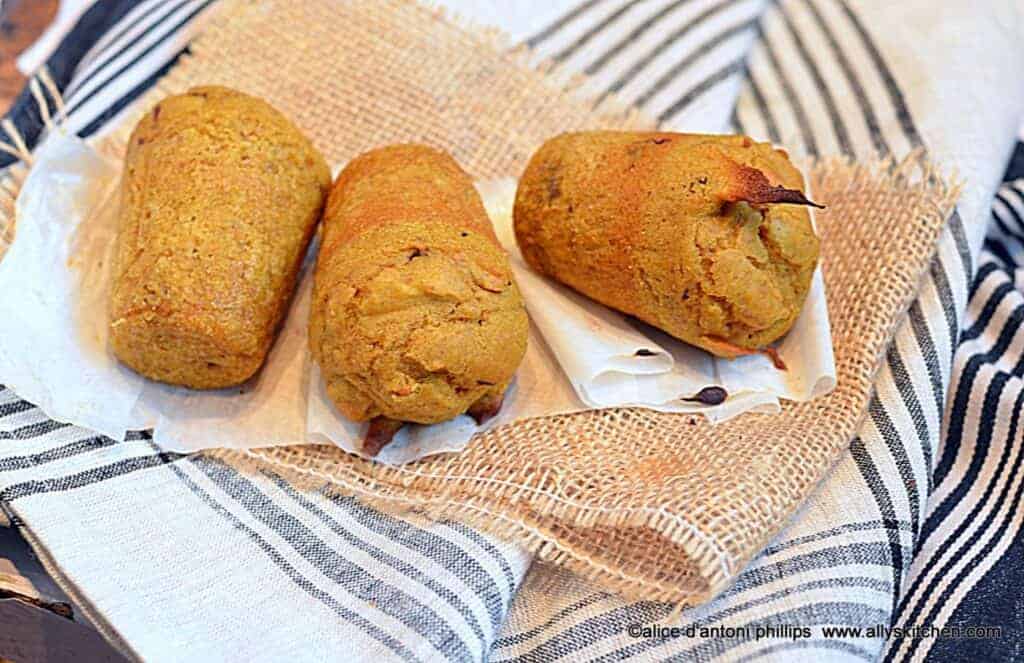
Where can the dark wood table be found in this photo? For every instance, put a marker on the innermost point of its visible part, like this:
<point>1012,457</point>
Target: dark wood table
<point>21,23</point>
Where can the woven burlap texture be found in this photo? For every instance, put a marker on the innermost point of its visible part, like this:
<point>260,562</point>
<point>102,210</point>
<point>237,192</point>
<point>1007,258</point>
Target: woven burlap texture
<point>654,506</point>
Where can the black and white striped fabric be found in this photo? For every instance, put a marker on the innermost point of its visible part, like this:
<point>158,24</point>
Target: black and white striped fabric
<point>917,526</point>
<point>969,557</point>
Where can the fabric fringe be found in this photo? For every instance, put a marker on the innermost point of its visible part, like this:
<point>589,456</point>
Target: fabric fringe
<point>13,177</point>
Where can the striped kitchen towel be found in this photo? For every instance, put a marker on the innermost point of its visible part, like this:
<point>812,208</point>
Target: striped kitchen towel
<point>917,526</point>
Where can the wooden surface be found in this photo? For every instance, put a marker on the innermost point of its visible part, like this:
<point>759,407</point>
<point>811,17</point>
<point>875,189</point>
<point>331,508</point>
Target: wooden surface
<point>21,23</point>
<point>33,635</point>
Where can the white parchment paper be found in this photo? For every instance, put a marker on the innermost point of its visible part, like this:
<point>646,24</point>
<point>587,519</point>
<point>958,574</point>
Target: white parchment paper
<point>598,347</point>
<point>54,350</point>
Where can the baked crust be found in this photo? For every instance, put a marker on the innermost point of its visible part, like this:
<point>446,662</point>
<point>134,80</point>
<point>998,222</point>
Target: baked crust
<point>415,314</point>
<point>657,225</point>
<point>221,195</point>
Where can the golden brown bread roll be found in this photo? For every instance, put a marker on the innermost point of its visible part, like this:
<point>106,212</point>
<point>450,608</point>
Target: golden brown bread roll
<point>415,315</point>
<point>686,232</point>
<point>220,197</point>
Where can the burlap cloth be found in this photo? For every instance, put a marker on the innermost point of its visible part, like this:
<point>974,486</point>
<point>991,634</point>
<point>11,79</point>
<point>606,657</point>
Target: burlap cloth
<point>655,506</point>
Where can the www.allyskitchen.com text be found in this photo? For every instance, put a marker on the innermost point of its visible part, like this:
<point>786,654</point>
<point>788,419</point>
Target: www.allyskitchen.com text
<point>803,632</point>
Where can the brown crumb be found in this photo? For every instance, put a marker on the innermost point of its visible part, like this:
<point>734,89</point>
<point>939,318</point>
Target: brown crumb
<point>776,358</point>
<point>380,433</point>
<point>731,349</point>
<point>486,408</point>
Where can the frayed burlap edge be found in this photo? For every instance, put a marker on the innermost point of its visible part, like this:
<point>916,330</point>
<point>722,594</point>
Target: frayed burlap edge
<point>497,502</point>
